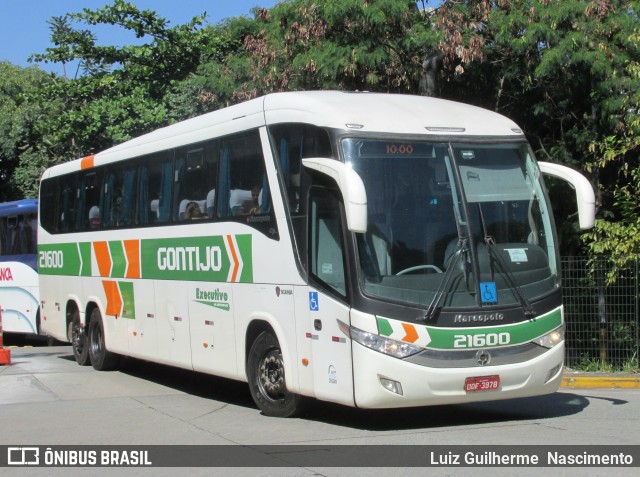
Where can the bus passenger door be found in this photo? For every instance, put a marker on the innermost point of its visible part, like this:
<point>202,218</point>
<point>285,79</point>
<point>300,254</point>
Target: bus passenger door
<point>327,303</point>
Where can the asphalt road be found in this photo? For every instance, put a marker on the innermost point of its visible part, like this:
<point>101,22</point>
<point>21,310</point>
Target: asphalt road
<point>47,399</point>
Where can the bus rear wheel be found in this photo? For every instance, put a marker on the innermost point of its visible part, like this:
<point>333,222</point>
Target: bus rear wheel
<point>78,338</point>
<point>101,358</point>
<point>267,381</point>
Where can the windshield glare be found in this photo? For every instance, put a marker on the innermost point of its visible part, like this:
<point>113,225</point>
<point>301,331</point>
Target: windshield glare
<point>463,224</point>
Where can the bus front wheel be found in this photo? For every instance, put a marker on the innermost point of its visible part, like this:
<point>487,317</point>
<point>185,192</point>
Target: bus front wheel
<point>78,338</point>
<point>101,358</point>
<point>267,381</point>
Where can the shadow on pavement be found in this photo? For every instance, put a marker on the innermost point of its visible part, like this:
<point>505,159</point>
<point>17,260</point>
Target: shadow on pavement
<point>522,409</point>
<point>237,393</point>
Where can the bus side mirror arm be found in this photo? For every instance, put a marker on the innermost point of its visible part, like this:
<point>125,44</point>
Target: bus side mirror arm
<point>351,186</point>
<point>584,191</point>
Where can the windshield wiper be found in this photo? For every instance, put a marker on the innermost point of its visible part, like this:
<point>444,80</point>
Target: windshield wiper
<point>490,242</point>
<point>529,312</point>
<point>443,288</point>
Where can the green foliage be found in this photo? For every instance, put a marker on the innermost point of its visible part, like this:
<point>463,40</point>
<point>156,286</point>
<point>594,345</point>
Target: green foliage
<point>618,234</point>
<point>563,70</point>
<point>559,69</point>
<point>593,365</point>
<point>124,90</point>
<point>20,116</point>
<point>568,71</point>
<point>376,45</point>
<point>596,365</point>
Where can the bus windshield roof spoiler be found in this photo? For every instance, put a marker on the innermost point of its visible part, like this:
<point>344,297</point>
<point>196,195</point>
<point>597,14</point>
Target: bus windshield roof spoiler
<point>351,186</point>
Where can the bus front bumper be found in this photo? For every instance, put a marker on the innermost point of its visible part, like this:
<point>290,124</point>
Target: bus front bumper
<point>381,381</point>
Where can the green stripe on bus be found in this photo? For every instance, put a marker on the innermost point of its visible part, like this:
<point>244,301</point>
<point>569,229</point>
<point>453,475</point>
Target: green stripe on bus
<point>189,258</point>
<point>384,327</point>
<point>59,259</point>
<point>128,300</point>
<point>518,333</point>
<point>117,259</point>
<point>246,254</point>
<point>209,258</point>
<point>480,337</point>
<point>85,254</point>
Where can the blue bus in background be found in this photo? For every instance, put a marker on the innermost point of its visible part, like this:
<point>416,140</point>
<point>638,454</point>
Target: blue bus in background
<point>19,292</point>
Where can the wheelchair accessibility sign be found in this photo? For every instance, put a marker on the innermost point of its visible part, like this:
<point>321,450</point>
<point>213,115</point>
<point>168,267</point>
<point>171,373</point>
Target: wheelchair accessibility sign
<point>313,301</point>
<point>488,292</point>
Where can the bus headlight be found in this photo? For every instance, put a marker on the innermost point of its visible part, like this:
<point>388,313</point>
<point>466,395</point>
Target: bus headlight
<point>397,349</point>
<point>552,338</point>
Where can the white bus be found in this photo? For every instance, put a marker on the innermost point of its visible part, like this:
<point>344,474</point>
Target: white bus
<point>372,250</point>
<point>19,298</point>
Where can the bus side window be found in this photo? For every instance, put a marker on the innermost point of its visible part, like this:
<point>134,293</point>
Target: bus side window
<point>145,205</point>
<point>128,205</point>
<point>243,187</point>
<point>67,213</point>
<point>292,143</point>
<point>154,189</point>
<point>10,237</point>
<point>110,201</point>
<point>88,197</point>
<point>118,200</point>
<point>24,243</point>
<point>32,219</point>
<point>195,182</point>
<point>3,223</point>
<point>49,205</point>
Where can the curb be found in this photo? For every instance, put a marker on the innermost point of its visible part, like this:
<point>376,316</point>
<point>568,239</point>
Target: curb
<point>600,382</point>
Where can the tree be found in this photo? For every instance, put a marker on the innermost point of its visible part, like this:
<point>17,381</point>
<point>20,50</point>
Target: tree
<point>619,237</point>
<point>560,69</point>
<point>123,90</point>
<point>21,144</point>
<point>376,45</point>
<point>565,70</point>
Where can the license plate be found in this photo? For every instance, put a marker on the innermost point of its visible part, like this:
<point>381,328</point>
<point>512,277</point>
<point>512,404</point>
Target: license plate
<point>482,383</point>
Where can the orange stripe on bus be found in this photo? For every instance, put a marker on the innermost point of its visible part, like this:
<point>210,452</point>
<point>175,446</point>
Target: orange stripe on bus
<point>236,265</point>
<point>87,162</point>
<point>114,301</point>
<point>132,249</point>
<point>103,258</point>
<point>412,334</point>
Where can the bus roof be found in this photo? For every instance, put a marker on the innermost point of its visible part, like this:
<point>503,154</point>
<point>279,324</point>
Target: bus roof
<point>361,111</point>
<point>24,206</point>
<point>386,113</point>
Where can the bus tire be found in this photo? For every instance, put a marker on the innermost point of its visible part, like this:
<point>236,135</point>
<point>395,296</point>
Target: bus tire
<point>267,381</point>
<point>78,338</point>
<point>101,358</point>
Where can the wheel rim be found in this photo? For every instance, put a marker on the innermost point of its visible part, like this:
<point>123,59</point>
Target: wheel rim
<point>271,375</point>
<point>77,337</point>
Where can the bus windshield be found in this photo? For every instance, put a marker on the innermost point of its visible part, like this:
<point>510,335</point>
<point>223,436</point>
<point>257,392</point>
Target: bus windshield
<point>453,225</point>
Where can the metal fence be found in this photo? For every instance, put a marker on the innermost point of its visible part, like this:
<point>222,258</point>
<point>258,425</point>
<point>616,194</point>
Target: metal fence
<point>602,319</point>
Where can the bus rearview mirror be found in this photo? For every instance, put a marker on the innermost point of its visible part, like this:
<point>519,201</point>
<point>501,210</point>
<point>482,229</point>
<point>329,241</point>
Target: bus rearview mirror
<point>584,191</point>
<point>351,186</point>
